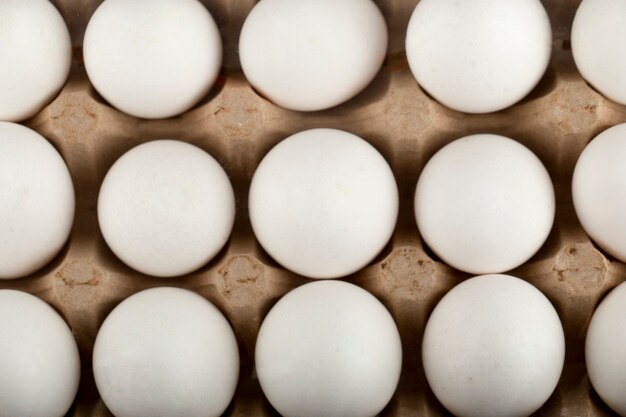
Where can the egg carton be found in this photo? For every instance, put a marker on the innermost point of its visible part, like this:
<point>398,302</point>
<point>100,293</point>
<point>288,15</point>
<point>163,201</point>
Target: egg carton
<point>237,126</point>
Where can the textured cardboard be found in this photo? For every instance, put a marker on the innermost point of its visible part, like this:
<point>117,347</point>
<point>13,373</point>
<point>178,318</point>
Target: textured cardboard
<point>238,127</point>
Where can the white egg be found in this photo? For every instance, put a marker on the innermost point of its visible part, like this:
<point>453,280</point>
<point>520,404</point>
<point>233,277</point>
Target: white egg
<point>329,349</point>
<point>323,203</point>
<point>166,208</point>
<point>599,190</point>
<point>39,361</point>
<point>484,204</point>
<point>493,347</point>
<point>36,201</point>
<point>311,55</point>
<point>36,53</point>
<point>605,350</point>
<point>598,39</point>
<point>479,56</point>
<point>152,58</point>
<point>166,352</point>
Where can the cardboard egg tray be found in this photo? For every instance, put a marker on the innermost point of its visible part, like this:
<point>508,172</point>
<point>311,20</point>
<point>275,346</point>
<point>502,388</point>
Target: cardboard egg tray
<point>237,126</point>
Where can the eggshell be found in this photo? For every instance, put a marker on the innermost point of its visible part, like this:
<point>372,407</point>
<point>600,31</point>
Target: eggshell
<point>329,349</point>
<point>599,190</point>
<point>493,347</point>
<point>166,352</point>
<point>152,58</point>
<point>598,39</point>
<point>484,204</point>
<point>36,201</point>
<point>36,55</point>
<point>605,350</point>
<point>312,54</point>
<point>479,56</point>
<point>166,208</point>
<point>39,362</point>
<point>323,203</point>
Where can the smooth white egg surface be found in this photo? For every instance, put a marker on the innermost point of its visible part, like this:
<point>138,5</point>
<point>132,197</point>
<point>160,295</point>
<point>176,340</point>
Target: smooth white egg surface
<point>36,55</point>
<point>599,190</point>
<point>605,350</point>
<point>329,349</point>
<point>39,361</point>
<point>598,39</point>
<point>484,204</point>
<point>311,55</point>
<point>152,58</point>
<point>479,56</point>
<point>166,208</point>
<point>36,201</point>
<point>323,203</point>
<point>166,352</point>
<point>493,347</point>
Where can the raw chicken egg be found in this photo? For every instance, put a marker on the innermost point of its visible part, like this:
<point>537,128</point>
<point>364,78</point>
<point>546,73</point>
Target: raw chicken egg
<point>605,350</point>
<point>152,58</point>
<point>323,203</point>
<point>599,190</point>
<point>311,55</point>
<point>329,349</point>
<point>166,208</point>
<point>36,52</point>
<point>493,347</point>
<point>39,362</point>
<point>479,56</point>
<point>484,204</point>
<point>36,201</point>
<point>166,352</point>
<point>598,39</point>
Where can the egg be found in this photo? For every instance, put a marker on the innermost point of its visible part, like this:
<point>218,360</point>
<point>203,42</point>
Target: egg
<point>478,56</point>
<point>493,347</point>
<point>329,349</point>
<point>323,203</point>
<point>605,350</point>
<point>313,54</point>
<point>599,190</point>
<point>598,39</point>
<point>152,58</point>
<point>484,204</point>
<point>166,352</point>
<point>36,201</point>
<point>166,208</point>
<point>39,364</point>
<point>36,53</point>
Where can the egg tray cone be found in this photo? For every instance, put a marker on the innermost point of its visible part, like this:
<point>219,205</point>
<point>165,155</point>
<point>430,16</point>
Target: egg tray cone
<point>237,126</point>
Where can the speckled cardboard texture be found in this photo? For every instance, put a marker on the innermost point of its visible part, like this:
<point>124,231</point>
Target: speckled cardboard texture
<point>237,126</point>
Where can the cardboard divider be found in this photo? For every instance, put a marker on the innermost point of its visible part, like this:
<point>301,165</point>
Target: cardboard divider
<point>238,127</point>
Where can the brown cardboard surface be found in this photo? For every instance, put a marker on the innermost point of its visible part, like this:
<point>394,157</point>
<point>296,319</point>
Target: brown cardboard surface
<point>238,127</point>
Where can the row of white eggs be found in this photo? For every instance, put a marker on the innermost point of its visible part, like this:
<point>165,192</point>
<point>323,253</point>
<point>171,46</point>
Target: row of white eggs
<point>158,58</point>
<point>323,203</point>
<point>493,346</point>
